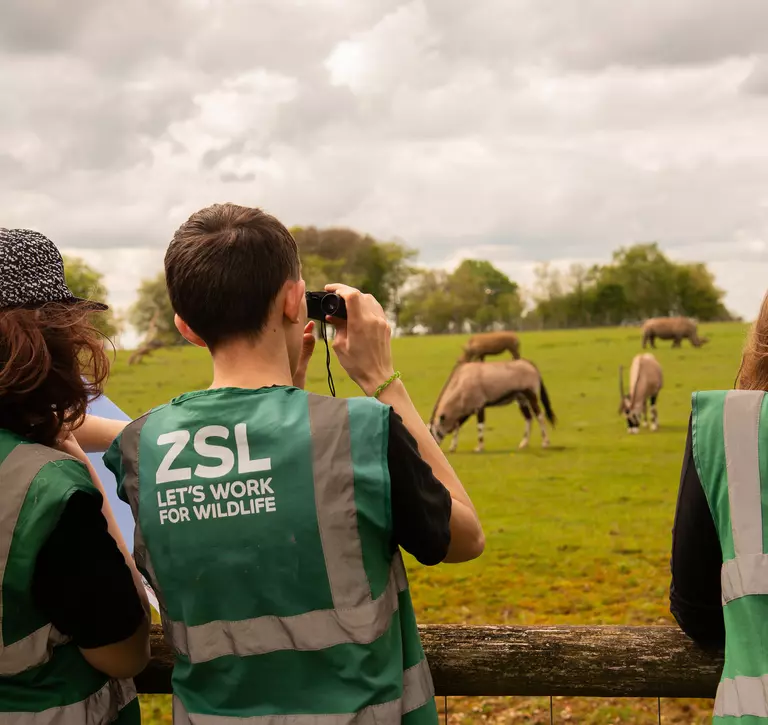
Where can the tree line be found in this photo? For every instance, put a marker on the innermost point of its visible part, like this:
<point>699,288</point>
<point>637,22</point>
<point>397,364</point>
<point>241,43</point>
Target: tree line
<point>638,282</point>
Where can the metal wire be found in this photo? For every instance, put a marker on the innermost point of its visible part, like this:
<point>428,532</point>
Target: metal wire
<point>445,710</point>
<point>551,711</point>
<point>659,711</point>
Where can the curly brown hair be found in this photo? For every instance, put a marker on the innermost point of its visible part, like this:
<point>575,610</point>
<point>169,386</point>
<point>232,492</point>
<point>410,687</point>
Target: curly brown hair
<point>52,363</point>
<point>753,373</point>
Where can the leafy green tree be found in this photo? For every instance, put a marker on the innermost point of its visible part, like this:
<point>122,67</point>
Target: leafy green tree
<point>648,278</point>
<point>639,282</point>
<point>475,294</point>
<point>609,303</point>
<point>343,255</point>
<point>86,282</point>
<point>697,294</point>
<point>153,309</point>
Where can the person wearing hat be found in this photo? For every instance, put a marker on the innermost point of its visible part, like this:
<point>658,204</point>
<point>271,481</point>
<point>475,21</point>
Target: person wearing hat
<point>74,617</point>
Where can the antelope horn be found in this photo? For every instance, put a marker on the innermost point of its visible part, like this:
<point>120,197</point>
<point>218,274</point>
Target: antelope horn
<point>621,381</point>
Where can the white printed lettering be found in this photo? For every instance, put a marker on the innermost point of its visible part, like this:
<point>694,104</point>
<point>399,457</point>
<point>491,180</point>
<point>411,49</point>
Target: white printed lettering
<point>243,510</point>
<point>265,486</point>
<point>184,513</point>
<point>207,450</point>
<point>166,474</point>
<point>244,462</point>
<point>220,513</point>
<point>202,512</point>
<point>237,489</point>
<point>270,502</point>
<point>219,490</point>
<point>199,493</point>
<point>160,502</point>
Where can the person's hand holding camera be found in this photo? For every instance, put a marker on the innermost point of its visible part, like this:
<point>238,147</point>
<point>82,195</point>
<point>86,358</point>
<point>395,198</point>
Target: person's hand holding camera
<point>362,341</point>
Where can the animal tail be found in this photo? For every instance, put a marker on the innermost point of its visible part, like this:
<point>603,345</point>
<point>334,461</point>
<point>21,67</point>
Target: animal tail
<point>551,417</point>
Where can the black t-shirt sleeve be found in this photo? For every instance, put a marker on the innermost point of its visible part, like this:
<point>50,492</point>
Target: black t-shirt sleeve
<point>421,505</point>
<point>81,581</point>
<point>695,593</point>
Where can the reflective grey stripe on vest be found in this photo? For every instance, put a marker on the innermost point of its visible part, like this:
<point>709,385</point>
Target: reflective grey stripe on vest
<point>100,708</point>
<point>417,691</point>
<point>17,472</point>
<point>312,631</point>
<point>356,618</point>
<point>335,501</point>
<point>747,573</point>
<point>129,450</point>
<point>742,696</point>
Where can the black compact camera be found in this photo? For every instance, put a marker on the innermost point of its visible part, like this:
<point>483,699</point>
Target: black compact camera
<point>320,304</point>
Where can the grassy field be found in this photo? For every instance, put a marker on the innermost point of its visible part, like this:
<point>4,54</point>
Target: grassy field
<point>578,533</point>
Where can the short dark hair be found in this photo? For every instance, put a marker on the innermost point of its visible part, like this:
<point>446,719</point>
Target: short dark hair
<point>52,364</point>
<point>224,269</point>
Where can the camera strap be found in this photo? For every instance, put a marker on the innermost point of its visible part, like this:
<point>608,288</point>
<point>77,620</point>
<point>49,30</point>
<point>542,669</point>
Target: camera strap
<point>324,334</point>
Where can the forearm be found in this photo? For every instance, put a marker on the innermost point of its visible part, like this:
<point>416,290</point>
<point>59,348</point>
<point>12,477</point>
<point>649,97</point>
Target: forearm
<point>467,539</point>
<point>96,434</point>
<point>397,396</point>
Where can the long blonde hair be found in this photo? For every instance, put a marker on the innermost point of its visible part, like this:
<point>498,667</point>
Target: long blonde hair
<point>753,373</point>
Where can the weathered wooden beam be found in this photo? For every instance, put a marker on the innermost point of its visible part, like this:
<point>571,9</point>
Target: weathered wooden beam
<point>562,660</point>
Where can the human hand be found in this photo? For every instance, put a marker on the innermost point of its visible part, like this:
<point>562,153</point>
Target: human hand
<point>307,348</point>
<point>67,443</point>
<point>362,341</point>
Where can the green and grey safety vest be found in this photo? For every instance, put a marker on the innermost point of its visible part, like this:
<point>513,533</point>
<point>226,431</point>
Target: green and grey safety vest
<point>264,527</point>
<point>730,448</point>
<point>44,679</point>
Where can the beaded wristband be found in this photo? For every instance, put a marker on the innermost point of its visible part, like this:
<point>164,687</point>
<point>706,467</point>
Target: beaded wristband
<point>381,387</point>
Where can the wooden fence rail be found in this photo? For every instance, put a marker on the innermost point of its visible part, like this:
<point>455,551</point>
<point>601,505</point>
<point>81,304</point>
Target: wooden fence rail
<point>562,660</point>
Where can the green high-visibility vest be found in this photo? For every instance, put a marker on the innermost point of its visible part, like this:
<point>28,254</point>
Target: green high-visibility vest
<point>264,526</point>
<point>44,679</point>
<point>730,448</point>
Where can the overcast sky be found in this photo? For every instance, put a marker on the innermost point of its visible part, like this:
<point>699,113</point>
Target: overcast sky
<point>515,130</point>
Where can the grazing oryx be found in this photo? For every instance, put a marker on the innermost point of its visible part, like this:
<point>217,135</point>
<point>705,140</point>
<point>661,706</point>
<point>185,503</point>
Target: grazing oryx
<point>475,386</point>
<point>645,383</point>
<point>672,328</point>
<point>491,343</point>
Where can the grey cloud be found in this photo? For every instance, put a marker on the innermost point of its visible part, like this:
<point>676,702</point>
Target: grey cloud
<point>229,177</point>
<point>43,26</point>
<point>318,108</point>
<point>521,129</point>
<point>593,34</point>
<point>213,157</point>
<point>756,83</point>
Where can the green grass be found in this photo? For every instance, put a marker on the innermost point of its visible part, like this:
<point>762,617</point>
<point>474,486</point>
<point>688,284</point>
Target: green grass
<point>578,533</point>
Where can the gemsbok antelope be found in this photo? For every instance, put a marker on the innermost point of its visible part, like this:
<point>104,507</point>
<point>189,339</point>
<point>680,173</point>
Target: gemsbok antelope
<point>645,383</point>
<point>475,386</point>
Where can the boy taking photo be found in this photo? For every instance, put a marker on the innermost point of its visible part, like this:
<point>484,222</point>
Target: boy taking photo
<point>269,519</point>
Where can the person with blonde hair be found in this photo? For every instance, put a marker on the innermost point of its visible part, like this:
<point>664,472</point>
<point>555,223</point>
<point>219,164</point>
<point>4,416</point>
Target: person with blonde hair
<point>74,617</point>
<point>719,588</point>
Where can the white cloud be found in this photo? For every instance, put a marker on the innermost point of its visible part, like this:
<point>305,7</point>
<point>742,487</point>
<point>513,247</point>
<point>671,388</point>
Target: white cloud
<point>525,130</point>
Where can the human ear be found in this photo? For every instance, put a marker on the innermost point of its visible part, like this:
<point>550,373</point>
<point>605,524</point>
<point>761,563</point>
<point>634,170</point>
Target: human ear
<point>187,333</point>
<point>294,305</point>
